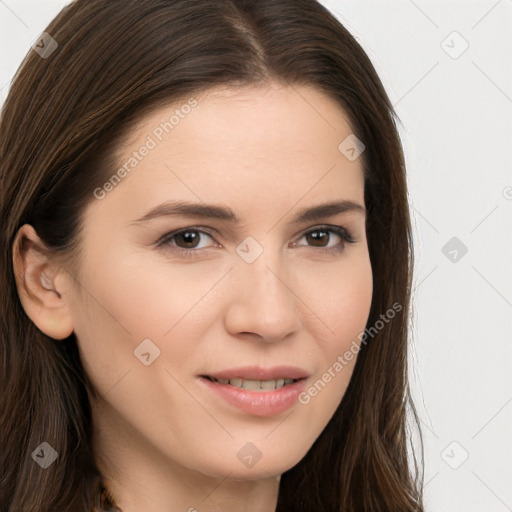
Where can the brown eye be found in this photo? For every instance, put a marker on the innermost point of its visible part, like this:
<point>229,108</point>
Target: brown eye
<point>318,237</point>
<point>184,242</point>
<point>321,237</point>
<point>189,238</point>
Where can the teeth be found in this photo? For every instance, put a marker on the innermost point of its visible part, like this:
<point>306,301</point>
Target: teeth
<point>266,384</point>
<point>256,385</point>
<point>251,385</point>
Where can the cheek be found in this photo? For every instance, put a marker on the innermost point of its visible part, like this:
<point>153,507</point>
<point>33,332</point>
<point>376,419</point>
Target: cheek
<point>123,304</point>
<point>144,298</point>
<point>350,310</point>
<point>341,301</point>
<point>343,306</point>
<point>349,318</point>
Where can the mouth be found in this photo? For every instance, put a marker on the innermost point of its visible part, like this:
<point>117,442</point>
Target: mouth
<point>257,391</point>
<point>254,385</point>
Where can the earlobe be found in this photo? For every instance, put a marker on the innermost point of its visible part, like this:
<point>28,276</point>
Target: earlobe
<point>35,273</point>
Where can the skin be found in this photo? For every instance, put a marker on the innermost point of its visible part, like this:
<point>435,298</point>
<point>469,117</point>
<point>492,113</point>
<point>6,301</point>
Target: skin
<point>162,442</point>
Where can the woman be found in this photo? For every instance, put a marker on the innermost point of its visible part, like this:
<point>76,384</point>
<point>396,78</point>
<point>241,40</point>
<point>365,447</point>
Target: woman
<point>208,261</point>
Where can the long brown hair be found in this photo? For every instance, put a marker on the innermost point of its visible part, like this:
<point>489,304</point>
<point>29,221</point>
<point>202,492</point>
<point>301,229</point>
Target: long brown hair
<point>60,125</point>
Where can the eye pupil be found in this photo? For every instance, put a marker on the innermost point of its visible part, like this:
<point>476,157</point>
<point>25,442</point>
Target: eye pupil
<point>316,237</point>
<point>189,236</point>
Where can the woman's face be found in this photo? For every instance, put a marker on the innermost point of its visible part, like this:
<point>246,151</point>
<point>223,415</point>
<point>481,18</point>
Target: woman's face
<point>254,288</point>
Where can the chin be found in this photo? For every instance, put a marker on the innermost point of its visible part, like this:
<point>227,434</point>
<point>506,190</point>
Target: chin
<point>265,467</point>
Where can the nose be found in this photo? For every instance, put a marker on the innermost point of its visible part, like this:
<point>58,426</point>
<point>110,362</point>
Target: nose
<point>263,303</point>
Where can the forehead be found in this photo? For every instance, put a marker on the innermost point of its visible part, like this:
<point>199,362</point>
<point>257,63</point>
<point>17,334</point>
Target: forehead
<point>275,142</point>
<point>274,116</point>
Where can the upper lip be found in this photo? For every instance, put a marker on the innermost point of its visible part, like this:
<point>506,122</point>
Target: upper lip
<point>260,373</point>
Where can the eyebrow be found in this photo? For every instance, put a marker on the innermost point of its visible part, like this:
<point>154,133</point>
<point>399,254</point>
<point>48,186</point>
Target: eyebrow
<point>215,211</point>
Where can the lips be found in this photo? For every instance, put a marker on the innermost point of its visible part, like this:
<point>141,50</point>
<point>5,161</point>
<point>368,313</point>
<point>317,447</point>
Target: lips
<point>256,391</point>
<point>258,373</point>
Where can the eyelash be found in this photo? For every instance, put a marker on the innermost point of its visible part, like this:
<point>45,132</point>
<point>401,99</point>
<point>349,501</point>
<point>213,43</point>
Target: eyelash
<point>164,242</point>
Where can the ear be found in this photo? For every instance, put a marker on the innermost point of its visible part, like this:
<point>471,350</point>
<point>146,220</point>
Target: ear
<point>42,285</point>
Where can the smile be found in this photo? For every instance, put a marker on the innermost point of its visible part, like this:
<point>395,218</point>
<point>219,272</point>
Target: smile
<point>254,385</point>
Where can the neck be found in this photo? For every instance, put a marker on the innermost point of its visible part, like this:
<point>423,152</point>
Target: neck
<point>139,477</point>
<point>229,499</point>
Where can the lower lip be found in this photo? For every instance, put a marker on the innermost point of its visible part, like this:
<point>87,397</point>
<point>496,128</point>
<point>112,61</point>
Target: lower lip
<point>258,403</point>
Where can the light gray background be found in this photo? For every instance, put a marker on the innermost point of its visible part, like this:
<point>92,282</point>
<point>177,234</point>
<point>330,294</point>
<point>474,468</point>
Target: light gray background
<point>456,114</point>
